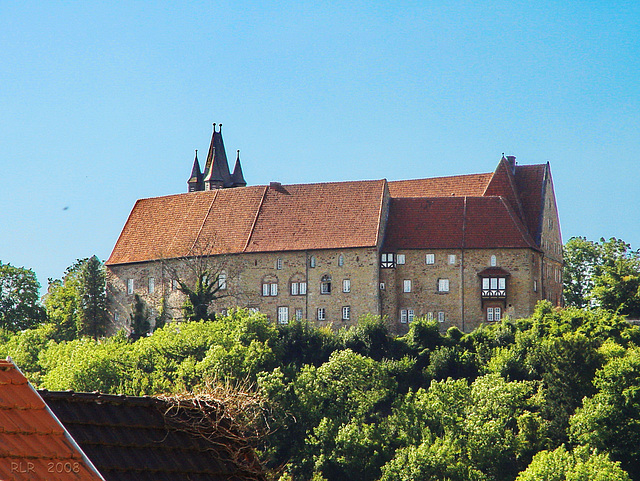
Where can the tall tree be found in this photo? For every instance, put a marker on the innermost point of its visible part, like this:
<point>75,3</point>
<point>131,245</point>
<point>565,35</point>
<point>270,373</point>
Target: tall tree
<point>19,303</point>
<point>93,306</point>
<point>62,302</point>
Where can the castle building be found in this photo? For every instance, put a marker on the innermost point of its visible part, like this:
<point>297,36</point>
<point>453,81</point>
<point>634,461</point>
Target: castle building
<point>463,250</point>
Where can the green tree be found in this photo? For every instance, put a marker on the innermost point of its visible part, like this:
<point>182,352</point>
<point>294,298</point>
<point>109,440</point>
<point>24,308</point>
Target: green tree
<point>19,301</point>
<point>63,300</point>
<point>140,324</point>
<point>580,259</point>
<point>93,299</point>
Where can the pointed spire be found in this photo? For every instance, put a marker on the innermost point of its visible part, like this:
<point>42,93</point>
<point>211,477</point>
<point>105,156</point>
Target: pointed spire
<point>237,178</point>
<point>216,170</point>
<point>195,181</point>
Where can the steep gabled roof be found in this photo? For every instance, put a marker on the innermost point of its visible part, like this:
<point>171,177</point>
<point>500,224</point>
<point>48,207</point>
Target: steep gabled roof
<point>459,185</point>
<point>252,219</point>
<point>530,180</point>
<point>217,168</point>
<point>32,441</point>
<point>454,223</point>
<point>237,178</point>
<point>135,439</point>
<point>503,184</point>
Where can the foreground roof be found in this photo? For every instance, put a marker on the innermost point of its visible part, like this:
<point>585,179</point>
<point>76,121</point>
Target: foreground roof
<point>33,444</point>
<point>252,219</point>
<point>134,439</point>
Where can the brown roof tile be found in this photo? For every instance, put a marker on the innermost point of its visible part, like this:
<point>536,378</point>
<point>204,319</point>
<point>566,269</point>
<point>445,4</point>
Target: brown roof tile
<point>32,441</point>
<point>252,219</point>
<point>459,185</point>
<point>530,182</point>
<point>454,223</point>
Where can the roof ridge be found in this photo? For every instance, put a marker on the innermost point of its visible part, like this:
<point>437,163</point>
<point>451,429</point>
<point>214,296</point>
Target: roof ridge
<point>255,219</point>
<point>384,187</point>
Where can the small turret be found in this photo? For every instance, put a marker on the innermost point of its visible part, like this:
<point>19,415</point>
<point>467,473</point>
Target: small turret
<point>195,182</point>
<point>216,171</point>
<point>237,178</point>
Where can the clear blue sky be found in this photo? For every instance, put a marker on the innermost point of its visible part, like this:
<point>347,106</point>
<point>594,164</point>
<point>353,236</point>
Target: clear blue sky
<point>102,103</point>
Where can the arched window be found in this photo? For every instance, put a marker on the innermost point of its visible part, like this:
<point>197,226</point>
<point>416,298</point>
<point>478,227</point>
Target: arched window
<point>340,260</point>
<point>494,261</point>
<point>325,284</point>
<point>312,261</point>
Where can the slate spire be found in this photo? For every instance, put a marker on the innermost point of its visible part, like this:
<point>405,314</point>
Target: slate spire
<point>237,178</point>
<point>195,182</point>
<point>216,170</point>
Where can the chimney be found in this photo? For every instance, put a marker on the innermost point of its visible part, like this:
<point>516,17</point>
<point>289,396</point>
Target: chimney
<point>274,185</point>
<point>511,160</point>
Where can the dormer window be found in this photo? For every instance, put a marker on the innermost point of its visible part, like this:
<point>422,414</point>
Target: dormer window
<point>494,283</point>
<point>387,260</point>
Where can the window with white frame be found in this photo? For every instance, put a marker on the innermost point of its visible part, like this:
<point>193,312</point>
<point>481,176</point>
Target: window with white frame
<point>321,314</point>
<point>325,284</point>
<point>441,316</point>
<point>346,285</point>
<point>382,286</point>
<point>129,286</point>
<point>270,286</point>
<point>222,281</point>
<point>152,285</point>
<point>312,261</point>
<point>299,314</point>
<point>283,315</point>
<point>387,260</point>
<point>346,313</point>
<point>298,288</point>
<point>430,259</point>
<point>452,259</point>
<point>340,260</point>
<point>443,285</point>
<point>493,261</point>
<point>535,286</point>
<point>494,287</point>
<point>429,316</point>
<point>279,263</point>
<point>406,315</point>
<point>494,314</point>
<point>406,285</point>
<point>400,259</point>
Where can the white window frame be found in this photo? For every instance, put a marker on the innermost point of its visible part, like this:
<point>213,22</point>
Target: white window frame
<point>269,289</point>
<point>273,289</point>
<point>299,314</point>
<point>340,260</point>
<point>403,316</point>
<point>411,314</point>
<point>151,285</point>
<point>346,285</point>
<point>130,286</point>
<point>443,285</point>
<point>441,316</point>
<point>387,260</point>
<point>346,313</point>
<point>321,314</point>
<point>222,281</point>
<point>283,315</point>
<point>400,259</point>
<point>312,262</point>
<point>279,263</point>
<point>452,259</point>
<point>325,284</point>
<point>493,261</point>
<point>303,288</point>
<point>406,285</point>
<point>430,259</point>
<point>295,286</point>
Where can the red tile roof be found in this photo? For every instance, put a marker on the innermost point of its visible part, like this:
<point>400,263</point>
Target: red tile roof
<point>530,182</point>
<point>459,185</point>
<point>33,444</point>
<point>454,223</point>
<point>252,219</point>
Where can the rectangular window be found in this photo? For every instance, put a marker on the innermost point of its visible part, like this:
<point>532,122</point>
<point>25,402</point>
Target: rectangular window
<point>535,286</point>
<point>502,283</point>
<point>430,259</point>
<point>403,316</point>
<point>485,283</point>
<point>283,315</point>
<point>386,260</point>
<point>303,288</point>
<point>152,285</point>
<point>429,316</point>
<point>325,288</point>
<point>222,281</point>
<point>452,259</point>
<point>321,314</point>
<point>406,285</point>
<point>441,316</point>
<point>497,314</point>
<point>443,285</point>
<point>298,314</point>
<point>279,264</point>
<point>410,315</point>
<point>129,286</point>
<point>346,313</point>
<point>273,289</point>
<point>295,286</point>
<point>382,286</point>
<point>489,314</point>
<point>265,289</point>
<point>494,283</point>
<point>346,285</point>
<point>400,259</point>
